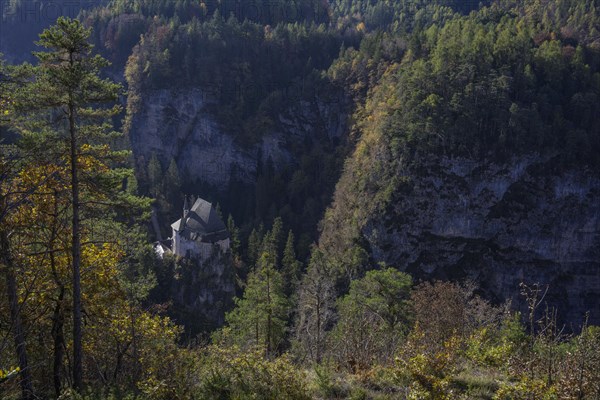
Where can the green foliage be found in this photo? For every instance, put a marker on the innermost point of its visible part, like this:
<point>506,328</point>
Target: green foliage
<point>254,243</point>
<point>290,266</point>
<point>105,394</point>
<point>385,293</point>
<point>8,374</point>
<point>272,244</point>
<point>526,389</point>
<point>316,301</point>
<point>234,232</point>
<point>372,319</point>
<point>399,15</point>
<point>235,374</point>
<point>75,87</point>
<point>491,346</point>
<point>477,384</point>
<point>327,384</point>
<point>84,252</point>
<point>259,318</point>
<point>431,373</point>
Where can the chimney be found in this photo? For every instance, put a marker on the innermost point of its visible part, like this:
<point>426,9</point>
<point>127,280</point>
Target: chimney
<point>186,210</point>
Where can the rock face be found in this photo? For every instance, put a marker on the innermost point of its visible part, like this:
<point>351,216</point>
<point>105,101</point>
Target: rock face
<point>499,225</point>
<point>176,124</point>
<point>202,292</point>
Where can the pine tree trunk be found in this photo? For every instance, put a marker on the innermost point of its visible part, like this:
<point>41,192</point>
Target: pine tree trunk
<point>269,311</point>
<point>59,343</point>
<point>76,254</point>
<point>318,341</point>
<point>15,317</point>
<point>58,316</point>
<point>136,357</point>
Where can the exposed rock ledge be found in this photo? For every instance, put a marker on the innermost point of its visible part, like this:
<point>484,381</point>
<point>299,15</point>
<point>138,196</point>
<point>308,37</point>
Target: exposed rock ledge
<point>499,225</point>
<point>175,124</point>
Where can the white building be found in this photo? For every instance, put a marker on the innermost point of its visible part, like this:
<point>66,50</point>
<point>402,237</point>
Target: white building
<point>200,232</point>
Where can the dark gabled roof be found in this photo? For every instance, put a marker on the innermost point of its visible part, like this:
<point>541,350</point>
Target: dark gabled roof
<point>202,222</point>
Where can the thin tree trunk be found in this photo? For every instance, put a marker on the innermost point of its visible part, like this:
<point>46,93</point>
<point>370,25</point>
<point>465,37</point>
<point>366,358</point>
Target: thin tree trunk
<point>318,341</point>
<point>59,342</point>
<point>76,253</point>
<point>269,311</point>
<point>58,317</point>
<point>136,357</point>
<point>119,363</point>
<point>15,316</point>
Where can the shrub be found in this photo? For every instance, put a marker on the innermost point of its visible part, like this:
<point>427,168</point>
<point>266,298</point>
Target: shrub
<point>232,374</point>
<point>526,389</point>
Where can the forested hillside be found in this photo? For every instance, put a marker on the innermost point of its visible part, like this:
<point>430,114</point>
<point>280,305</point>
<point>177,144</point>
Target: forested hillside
<point>410,189</point>
<point>450,109</point>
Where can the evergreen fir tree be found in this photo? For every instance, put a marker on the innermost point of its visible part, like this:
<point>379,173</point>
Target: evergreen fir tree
<point>172,181</point>
<point>259,318</point>
<point>254,245</point>
<point>234,234</point>
<point>154,176</point>
<point>277,238</point>
<point>290,269</point>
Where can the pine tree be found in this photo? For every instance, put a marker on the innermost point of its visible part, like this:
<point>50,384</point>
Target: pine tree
<point>170,190</point>
<point>316,300</point>
<point>254,244</point>
<point>172,181</point>
<point>277,236</point>
<point>272,243</point>
<point>154,176</point>
<point>269,248</point>
<point>290,266</point>
<point>63,112</point>
<point>259,318</point>
<point>373,317</point>
<point>234,233</point>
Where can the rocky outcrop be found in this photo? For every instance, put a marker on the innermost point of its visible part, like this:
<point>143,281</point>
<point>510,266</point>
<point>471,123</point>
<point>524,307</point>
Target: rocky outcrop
<point>202,292</point>
<point>177,124</point>
<point>499,225</point>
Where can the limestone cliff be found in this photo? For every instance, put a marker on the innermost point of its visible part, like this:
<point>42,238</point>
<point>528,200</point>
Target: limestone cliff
<point>198,293</point>
<point>497,224</point>
<point>177,124</point>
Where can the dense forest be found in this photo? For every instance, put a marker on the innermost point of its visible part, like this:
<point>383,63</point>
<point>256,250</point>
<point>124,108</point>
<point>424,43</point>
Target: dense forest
<point>323,305</point>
